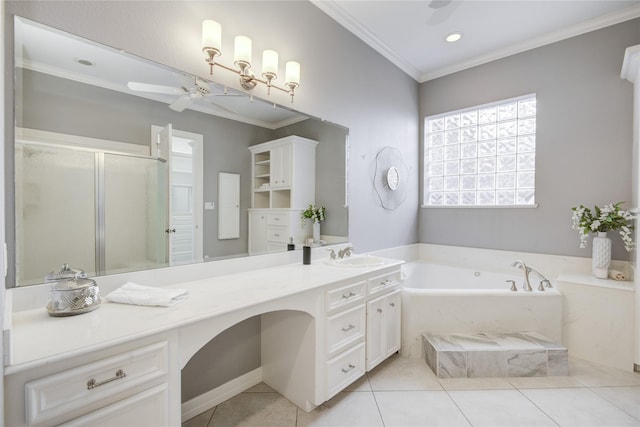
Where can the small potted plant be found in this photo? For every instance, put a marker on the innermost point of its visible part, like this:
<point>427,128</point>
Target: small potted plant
<point>315,214</point>
<point>601,220</point>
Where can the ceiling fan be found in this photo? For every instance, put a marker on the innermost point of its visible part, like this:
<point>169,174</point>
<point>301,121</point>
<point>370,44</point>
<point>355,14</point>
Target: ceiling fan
<point>441,11</point>
<point>192,88</point>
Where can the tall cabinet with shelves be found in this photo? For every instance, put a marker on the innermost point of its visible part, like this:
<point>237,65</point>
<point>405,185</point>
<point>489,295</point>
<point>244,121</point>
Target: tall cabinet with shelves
<point>283,185</point>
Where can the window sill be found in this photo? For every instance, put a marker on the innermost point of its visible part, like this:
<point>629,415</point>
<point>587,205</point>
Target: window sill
<point>480,207</point>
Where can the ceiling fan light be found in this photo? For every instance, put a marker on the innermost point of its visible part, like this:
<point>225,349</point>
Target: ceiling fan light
<point>453,37</point>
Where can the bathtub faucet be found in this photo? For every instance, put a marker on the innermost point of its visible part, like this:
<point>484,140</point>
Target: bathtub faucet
<point>520,264</point>
<point>544,282</point>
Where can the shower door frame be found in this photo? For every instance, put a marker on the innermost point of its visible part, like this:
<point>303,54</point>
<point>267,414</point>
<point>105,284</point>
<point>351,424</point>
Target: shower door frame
<point>100,148</point>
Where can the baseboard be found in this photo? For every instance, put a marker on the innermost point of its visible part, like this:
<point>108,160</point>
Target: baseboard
<point>208,400</point>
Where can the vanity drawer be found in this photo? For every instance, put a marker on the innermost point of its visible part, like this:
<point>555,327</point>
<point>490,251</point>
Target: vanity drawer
<point>345,369</point>
<point>277,234</point>
<point>383,282</point>
<point>77,391</point>
<point>342,296</point>
<point>345,328</point>
<point>278,218</point>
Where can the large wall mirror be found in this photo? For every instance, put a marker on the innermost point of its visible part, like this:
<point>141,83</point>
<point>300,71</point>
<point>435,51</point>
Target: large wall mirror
<point>98,186</point>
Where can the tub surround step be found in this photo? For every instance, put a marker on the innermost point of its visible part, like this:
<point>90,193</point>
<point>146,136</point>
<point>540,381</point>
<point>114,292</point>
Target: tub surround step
<point>508,354</point>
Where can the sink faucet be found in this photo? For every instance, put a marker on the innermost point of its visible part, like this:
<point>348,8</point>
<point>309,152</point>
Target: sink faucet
<point>345,252</point>
<point>332,253</point>
<point>527,270</point>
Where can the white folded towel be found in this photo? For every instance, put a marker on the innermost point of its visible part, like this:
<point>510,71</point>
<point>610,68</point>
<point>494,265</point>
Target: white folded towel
<point>132,293</point>
<point>617,275</point>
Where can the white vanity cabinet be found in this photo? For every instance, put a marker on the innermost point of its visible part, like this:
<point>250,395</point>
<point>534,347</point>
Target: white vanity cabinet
<point>384,307</point>
<point>362,327</point>
<point>127,388</point>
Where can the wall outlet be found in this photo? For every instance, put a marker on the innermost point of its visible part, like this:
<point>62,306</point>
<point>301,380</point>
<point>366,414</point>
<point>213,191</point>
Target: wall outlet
<point>209,206</point>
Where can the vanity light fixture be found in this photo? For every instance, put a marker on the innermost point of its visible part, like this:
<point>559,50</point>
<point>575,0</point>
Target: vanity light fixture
<point>211,46</point>
<point>453,37</point>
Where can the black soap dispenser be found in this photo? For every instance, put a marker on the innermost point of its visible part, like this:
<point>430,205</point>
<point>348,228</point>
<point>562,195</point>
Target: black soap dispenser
<point>291,246</point>
<point>306,254</point>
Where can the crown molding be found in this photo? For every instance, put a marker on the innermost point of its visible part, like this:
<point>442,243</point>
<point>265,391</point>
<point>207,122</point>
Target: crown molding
<point>333,9</point>
<point>338,14</point>
<point>549,38</point>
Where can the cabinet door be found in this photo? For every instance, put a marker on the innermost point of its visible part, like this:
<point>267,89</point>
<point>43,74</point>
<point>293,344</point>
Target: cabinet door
<point>148,408</point>
<point>392,315</point>
<point>281,166</point>
<point>257,232</point>
<point>383,327</point>
<point>375,331</point>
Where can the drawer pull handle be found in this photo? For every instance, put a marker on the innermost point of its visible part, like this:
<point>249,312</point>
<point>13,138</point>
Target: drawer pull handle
<point>392,304</point>
<point>349,368</point>
<point>379,310</point>
<point>386,282</point>
<point>92,383</point>
<point>349,295</point>
<point>276,234</point>
<point>349,328</point>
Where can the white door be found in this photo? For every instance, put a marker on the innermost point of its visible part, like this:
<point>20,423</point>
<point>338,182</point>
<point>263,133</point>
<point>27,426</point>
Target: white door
<point>183,152</point>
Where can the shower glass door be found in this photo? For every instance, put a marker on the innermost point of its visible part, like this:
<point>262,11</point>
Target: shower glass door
<point>55,211</point>
<point>135,213</point>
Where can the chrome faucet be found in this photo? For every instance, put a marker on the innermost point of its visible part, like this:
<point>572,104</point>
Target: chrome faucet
<point>345,252</point>
<point>520,264</point>
<point>332,254</point>
<point>544,282</point>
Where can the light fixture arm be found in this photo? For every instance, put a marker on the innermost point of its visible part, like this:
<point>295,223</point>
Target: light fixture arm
<point>247,78</point>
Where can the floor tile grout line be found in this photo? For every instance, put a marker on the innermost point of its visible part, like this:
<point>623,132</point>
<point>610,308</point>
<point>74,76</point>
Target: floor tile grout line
<point>539,408</point>
<point>211,417</point>
<point>458,407</point>
<point>612,403</point>
<point>378,406</point>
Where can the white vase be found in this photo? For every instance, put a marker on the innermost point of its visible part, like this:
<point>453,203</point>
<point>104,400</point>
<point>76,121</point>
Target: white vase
<point>316,232</point>
<point>601,255</point>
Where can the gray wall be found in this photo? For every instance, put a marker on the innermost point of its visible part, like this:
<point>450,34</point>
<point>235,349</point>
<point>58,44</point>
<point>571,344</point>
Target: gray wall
<point>584,141</point>
<point>343,81</point>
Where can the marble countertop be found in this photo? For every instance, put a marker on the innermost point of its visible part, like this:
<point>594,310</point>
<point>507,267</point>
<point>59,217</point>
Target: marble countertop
<point>36,338</point>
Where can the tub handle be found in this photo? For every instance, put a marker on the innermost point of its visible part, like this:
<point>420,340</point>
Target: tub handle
<point>513,285</point>
<point>348,328</point>
<point>541,286</point>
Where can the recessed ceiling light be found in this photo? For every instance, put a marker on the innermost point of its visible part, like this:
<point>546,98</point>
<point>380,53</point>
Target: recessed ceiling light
<point>83,62</point>
<point>453,37</point>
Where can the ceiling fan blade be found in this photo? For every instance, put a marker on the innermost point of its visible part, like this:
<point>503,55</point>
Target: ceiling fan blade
<point>145,87</point>
<point>181,103</point>
<point>222,107</point>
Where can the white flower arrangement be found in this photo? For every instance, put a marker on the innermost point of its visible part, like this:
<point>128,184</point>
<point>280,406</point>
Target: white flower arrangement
<point>608,218</point>
<point>314,213</point>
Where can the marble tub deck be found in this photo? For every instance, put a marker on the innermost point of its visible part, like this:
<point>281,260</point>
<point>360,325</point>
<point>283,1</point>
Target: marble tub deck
<point>509,354</point>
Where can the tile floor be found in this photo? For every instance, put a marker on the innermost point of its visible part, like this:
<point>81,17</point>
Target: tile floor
<point>404,392</point>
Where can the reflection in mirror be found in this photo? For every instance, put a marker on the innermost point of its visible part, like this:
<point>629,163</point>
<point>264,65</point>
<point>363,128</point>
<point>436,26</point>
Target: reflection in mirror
<point>118,159</point>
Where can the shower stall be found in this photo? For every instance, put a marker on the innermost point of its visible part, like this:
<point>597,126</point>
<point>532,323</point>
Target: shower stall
<point>99,211</point>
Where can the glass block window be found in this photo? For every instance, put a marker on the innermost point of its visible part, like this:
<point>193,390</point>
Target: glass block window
<point>482,156</point>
